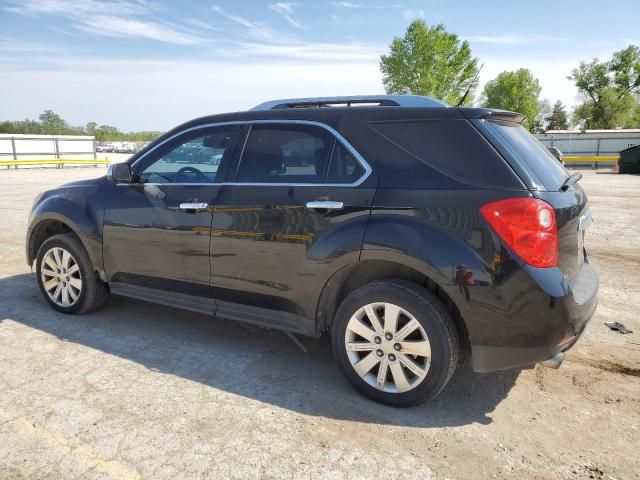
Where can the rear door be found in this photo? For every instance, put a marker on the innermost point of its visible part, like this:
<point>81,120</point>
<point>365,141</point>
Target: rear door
<point>545,177</point>
<point>294,212</point>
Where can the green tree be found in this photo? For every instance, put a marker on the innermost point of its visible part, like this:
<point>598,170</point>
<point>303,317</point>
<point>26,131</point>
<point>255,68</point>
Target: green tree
<point>635,119</point>
<point>517,91</point>
<point>90,128</point>
<point>430,61</point>
<point>21,126</point>
<point>625,67</point>
<point>557,119</point>
<point>107,132</point>
<point>539,124</point>
<point>52,123</point>
<point>610,90</point>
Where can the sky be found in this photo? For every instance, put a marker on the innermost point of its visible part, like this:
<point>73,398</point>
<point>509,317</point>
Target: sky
<point>152,64</point>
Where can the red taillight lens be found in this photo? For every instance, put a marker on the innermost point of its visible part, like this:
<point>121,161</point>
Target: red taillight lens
<point>528,226</point>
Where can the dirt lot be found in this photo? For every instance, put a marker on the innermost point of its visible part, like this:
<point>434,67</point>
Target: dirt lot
<point>143,391</point>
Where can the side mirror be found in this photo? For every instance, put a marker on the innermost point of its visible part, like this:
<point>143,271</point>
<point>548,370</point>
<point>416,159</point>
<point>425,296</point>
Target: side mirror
<point>119,172</point>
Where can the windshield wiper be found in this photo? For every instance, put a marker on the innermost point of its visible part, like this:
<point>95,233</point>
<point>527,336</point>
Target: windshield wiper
<point>573,178</point>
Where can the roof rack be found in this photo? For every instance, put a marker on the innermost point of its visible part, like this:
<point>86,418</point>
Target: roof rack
<point>369,100</point>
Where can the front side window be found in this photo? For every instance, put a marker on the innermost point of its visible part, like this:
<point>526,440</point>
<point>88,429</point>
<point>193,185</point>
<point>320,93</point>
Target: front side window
<point>194,158</point>
<point>285,154</point>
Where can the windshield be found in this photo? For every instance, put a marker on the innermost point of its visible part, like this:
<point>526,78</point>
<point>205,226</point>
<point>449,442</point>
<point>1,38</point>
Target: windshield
<point>519,146</point>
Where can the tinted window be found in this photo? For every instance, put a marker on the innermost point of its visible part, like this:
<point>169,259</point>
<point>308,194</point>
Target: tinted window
<point>194,158</point>
<point>285,154</point>
<point>452,147</point>
<point>520,146</point>
<point>343,167</point>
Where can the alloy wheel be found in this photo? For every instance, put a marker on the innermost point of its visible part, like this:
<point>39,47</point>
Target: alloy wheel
<point>387,347</point>
<point>61,277</point>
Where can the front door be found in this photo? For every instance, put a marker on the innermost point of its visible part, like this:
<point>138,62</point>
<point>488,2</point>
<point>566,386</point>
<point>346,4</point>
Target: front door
<point>157,228</point>
<point>294,213</point>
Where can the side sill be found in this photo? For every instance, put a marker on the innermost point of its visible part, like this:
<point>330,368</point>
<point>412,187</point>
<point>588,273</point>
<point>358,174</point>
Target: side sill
<point>163,297</point>
<point>263,317</point>
<point>232,311</point>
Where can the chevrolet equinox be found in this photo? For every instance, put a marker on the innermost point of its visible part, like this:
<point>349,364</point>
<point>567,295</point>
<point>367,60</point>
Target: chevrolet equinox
<point>404,228</point>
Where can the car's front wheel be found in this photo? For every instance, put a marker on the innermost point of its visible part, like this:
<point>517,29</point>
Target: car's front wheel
<point>66,277</point>
<point>395,342</point>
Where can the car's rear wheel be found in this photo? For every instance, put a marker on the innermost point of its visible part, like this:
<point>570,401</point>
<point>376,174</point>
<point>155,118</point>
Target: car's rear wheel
<point>66,277</point>
<point>395,342</point>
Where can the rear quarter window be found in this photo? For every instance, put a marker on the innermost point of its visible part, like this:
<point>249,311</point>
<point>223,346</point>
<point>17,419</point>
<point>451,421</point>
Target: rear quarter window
<point>524,151</point>
<point>453,147</point>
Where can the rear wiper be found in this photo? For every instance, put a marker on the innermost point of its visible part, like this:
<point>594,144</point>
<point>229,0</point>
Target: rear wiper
<point>573,178</point>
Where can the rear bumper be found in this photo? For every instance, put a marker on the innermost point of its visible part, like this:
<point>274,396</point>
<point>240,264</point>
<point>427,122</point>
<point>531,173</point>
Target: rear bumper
<point>555,323</point>
<point>490,359</point>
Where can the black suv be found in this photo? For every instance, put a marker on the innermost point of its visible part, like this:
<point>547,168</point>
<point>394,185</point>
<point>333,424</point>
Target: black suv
<point>405,228</point>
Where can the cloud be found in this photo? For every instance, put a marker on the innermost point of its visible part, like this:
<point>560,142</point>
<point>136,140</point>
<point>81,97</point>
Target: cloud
<point>410,15</point>
<point>12,46</point>
<point>63,31</point>
<point>115,26</point>
<point>514,39</point>
<point>196,22</point>
<point>286,10</point>
<point>115,18</point>
<point>346,4</point>
<point>70,8</point>
<point>353,52</point>
<point>257,30</point>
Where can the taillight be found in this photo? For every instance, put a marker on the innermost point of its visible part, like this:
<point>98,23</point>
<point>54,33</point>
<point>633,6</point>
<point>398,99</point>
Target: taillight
<point>528,226</point>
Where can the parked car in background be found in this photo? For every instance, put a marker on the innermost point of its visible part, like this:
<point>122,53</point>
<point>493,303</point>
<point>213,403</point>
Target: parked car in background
<point>405,229</point>
<point>125,147</point>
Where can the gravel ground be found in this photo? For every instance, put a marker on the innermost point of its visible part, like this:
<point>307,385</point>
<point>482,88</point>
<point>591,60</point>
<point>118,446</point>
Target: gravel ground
<point>142,391</point>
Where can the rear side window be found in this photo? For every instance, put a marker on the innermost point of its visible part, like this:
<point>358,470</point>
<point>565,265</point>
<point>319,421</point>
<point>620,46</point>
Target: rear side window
<point>285,154</point>
<point>519,146</point>
<point>454,147</point>
<point>343,167</point>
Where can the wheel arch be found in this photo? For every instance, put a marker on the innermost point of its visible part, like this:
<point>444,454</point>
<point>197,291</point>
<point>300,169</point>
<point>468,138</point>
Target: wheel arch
<point>48,224</point>
<point>360,273</point>
<point>42,230</point>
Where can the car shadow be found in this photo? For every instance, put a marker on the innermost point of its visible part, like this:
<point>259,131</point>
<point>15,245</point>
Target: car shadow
<point>252,362</point>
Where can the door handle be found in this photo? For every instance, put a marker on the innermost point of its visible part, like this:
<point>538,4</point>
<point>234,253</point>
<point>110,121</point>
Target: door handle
<point>325,205</point>
<point>194,206</point>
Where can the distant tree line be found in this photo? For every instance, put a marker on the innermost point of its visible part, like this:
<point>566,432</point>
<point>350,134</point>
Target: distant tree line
<point>50,123</point>
<point>432,61</point>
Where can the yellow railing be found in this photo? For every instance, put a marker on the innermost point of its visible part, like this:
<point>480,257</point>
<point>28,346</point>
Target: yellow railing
<point>60,162</point>
<point>608,159</point>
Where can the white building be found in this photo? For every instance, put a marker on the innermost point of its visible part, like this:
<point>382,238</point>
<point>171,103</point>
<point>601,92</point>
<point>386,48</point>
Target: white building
<point>590,143</point>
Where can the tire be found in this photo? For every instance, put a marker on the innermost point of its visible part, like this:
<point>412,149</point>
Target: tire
<point>85,291</point>
<point>435,360</point>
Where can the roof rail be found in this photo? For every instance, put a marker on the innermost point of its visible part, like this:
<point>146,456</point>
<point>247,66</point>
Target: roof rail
<point>376,100</point>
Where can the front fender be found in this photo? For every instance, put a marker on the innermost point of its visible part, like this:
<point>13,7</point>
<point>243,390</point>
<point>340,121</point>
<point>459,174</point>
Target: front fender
<point>80,208</point>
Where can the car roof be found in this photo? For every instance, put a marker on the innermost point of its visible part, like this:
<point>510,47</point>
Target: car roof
<point>339,111</point>
<point>348,101</point>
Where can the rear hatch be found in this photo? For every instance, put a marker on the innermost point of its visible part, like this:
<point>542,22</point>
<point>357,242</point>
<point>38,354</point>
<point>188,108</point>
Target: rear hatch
<point>547,180</point>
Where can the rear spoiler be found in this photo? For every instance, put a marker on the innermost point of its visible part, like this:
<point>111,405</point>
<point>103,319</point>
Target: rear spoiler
<point>493,114</point>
